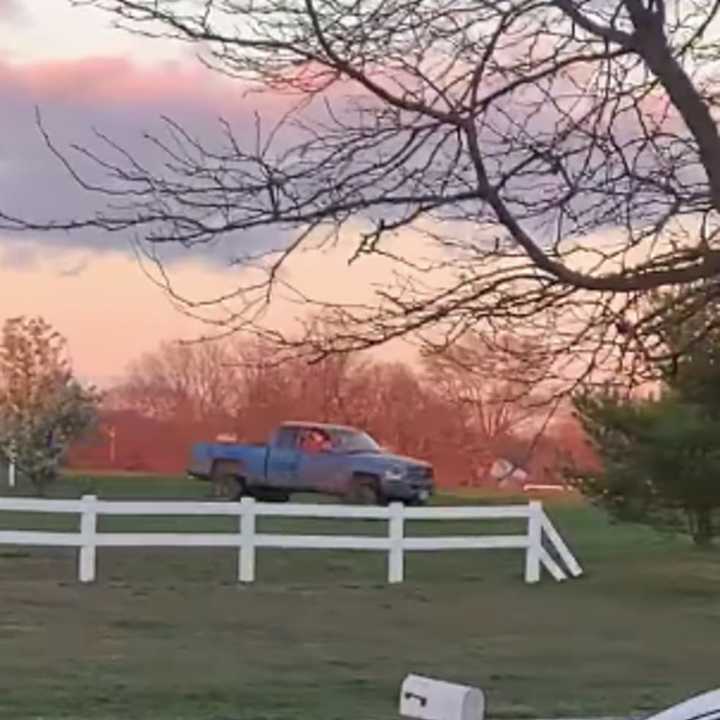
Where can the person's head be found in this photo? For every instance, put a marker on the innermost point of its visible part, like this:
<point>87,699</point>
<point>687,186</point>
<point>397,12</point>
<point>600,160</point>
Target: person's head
<point>320,439</point>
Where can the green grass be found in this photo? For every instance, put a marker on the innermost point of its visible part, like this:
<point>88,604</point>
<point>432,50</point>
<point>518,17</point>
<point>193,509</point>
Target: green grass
<point>169,633</point>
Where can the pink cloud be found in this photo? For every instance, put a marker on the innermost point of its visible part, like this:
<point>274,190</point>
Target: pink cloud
<point>10,10</point>
<point>117,82</point>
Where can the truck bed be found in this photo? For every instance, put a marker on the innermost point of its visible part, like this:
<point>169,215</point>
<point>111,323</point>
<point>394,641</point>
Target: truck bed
<point>204,454</point>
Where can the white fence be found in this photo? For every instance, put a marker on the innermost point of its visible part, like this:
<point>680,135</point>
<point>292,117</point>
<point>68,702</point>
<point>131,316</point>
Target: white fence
<point>247,540</point>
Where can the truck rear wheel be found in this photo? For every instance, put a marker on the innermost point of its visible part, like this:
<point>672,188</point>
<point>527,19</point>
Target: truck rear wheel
<point>225,482</point>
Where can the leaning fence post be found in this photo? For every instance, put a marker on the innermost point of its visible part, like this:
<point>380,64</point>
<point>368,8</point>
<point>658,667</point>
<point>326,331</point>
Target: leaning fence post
<point>246,569</point>
<point>88,528</point>
<point>534,540</point>
<point>395,554</point>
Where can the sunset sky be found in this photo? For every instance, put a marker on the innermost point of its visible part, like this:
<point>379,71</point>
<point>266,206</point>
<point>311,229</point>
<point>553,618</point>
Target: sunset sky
<point>82,73</point>
<point>85,76</point>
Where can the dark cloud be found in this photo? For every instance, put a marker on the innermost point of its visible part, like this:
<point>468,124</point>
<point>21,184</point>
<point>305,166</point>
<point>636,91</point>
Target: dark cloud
<point>123,102</point>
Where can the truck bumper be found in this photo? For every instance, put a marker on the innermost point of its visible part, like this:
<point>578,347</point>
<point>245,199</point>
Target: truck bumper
<point>408,493</point>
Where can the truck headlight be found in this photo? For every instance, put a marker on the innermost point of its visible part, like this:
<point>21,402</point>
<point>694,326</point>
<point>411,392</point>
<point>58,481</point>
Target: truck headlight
<point>394,474</point>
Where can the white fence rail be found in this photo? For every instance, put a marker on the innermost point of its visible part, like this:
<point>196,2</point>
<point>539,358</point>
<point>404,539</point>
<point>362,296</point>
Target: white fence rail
<point>538,541</point>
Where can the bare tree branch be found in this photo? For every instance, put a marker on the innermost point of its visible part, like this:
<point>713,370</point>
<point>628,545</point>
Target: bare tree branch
<point>561,157</point>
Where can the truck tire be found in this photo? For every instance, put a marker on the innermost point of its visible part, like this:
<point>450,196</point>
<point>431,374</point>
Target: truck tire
<point>364,490</point>
<point>225,482</point>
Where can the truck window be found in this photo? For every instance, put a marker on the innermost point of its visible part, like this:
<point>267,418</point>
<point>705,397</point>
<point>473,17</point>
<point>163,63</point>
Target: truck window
<point>354,441</point>
<point>286,438</point>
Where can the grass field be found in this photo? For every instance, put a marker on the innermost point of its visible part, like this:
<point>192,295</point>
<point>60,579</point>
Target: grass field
<point>169,634</point>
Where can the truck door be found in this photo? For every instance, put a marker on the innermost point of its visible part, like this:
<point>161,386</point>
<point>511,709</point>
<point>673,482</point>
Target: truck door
<point>283,459</point>
<point>320,470</point>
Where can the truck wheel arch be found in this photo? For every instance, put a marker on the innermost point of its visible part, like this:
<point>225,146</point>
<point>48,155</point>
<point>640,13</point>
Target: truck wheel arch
<point>227,467</point>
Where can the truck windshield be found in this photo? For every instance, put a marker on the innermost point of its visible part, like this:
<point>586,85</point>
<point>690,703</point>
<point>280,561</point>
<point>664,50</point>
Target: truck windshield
<point>348,441</point>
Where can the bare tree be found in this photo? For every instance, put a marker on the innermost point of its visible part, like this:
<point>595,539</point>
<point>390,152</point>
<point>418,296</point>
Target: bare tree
<point>266,387</point>
<point>390,401</point>
<point>195,382</point>
<point>562,155</point>
<point>332,388</point>
<point>498,387</point>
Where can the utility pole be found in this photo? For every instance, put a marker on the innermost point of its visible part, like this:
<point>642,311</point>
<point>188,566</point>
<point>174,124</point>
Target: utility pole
<point>111,435</point>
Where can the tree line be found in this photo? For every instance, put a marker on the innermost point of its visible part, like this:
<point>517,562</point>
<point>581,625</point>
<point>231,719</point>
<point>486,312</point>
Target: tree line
<point>463,407</point>
<point>652,458</point>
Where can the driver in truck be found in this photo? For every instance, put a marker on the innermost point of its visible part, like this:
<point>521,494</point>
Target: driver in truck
<point>315,441</point>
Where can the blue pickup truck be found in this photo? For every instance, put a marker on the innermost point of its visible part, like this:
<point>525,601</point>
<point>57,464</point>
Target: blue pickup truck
<point>303,457</point>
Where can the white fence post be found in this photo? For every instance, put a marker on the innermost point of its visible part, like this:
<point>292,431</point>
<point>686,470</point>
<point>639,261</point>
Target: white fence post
<point>12,467</point>
<point>396,559</point>
<point>246,569</point>
<point>534,539</point>
<point>88,528</point>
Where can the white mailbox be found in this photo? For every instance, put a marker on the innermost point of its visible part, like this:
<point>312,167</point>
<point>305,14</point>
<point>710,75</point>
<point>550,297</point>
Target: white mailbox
<point>423,698</point>
<point>705,707</point>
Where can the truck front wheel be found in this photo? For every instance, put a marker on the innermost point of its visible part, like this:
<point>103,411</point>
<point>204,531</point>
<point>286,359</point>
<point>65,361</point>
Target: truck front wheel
<point>364,490</point>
